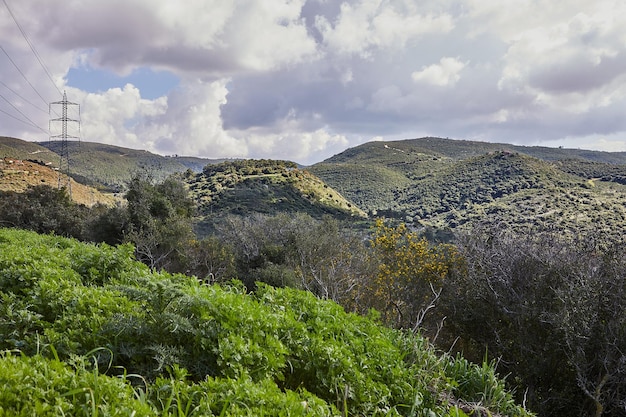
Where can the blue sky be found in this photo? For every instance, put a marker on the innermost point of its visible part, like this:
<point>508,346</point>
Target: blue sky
<point>305,79</point>
<point>152,84</point>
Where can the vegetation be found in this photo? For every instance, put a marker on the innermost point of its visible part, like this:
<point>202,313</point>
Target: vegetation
<point>553,309</point>
<point>501,255</point>
<point>89,331</point>
<point>262,186</point>
<point>439,186</point>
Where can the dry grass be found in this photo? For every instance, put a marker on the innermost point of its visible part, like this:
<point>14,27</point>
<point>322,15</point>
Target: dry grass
<point>18,175</point>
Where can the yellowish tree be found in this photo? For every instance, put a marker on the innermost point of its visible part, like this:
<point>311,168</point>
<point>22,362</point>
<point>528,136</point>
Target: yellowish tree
<point>410,274</point>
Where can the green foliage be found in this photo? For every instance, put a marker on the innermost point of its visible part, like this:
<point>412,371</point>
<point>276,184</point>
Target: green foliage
<point>159,221</point>
<point>42,209</point>
<point>193,349</point>
<point>438,185</point>
<point>48,387</point>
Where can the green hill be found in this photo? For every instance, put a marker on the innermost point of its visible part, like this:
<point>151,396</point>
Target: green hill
<point>444,184</point>
<point>263,186</point>
<point>114,166</point>
<point>106,167</point>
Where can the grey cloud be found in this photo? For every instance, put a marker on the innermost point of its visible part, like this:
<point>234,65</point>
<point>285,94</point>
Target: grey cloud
<point>578,74</point>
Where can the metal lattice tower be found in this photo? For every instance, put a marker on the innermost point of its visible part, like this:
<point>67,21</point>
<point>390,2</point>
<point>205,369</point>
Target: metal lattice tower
<point>64,121</point>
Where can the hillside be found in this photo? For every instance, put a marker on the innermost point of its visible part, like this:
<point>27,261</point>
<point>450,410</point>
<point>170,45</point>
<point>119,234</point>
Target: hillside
<point>440,184</point>
<point>113,166</point>
<point>20,174</point>
<point>263,186</point>
<point>86,330</point>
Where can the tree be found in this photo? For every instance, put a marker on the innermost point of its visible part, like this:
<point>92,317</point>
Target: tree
<point>43,209</point>
<point>159,220</point>
<point>410,274</point>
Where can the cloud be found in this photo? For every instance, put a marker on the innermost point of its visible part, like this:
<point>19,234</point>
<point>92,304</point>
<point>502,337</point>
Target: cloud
<point>303,79</point>
<point>447,72</point>
<point>213,37</point>
<point>366,25</point>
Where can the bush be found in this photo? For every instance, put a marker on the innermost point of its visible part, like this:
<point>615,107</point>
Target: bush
<point>553,310</point>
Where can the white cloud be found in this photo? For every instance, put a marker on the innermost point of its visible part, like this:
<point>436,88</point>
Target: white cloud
<point>371,24</point>
<point>446,73</point>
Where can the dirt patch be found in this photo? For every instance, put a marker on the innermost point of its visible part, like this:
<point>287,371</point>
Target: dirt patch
<point>18,175</point>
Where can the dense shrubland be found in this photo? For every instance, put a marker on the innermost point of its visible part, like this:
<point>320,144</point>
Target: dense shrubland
<point>548,308</point>
<point>87,330</point>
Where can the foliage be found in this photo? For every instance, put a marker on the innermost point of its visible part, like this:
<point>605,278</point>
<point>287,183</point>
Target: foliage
<point>177,347</point>
<point>439,185</point>
<point>246,187</point>
<point>411,272</point>
<point>42,209</point>
<point>48,387</point>
<point>322,256</point>
<point>159,220</point>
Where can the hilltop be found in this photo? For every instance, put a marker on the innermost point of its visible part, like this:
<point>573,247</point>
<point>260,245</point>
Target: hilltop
<point>445,185</point>
<point>263,186</point>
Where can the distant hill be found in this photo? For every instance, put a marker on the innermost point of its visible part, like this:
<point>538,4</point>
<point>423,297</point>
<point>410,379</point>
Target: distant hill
<point>441,184</point>
<point>268,187</point>
<point>112,166</point>
<point>220,187</point>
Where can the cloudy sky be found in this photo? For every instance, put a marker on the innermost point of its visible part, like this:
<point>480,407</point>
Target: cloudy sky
<point>305,79</point>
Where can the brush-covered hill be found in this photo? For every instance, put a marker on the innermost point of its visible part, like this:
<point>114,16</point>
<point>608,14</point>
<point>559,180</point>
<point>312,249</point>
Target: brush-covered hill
<point>269,187</point>
<point>441,184</point>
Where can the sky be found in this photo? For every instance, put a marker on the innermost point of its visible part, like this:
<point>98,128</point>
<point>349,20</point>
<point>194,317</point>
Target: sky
<point>303,80</point>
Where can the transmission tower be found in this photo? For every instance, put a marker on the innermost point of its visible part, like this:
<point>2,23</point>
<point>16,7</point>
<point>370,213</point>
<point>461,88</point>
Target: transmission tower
<point>64,121</point>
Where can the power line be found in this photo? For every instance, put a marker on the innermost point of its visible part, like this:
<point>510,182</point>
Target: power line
<point>24,99</point>
<point>22,74</point>
<point>20,112</point>
<point>30,123</point>
<point>32,47</point>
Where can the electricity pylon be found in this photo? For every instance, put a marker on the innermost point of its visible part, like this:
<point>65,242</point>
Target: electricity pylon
<point>64,120</point>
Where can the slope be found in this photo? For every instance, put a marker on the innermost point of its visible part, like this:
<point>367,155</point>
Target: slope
<point>113,166</point>
<point>87,330</point>
<point>19,174</point>
<point>263,186</point>
<point>441,184</point>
